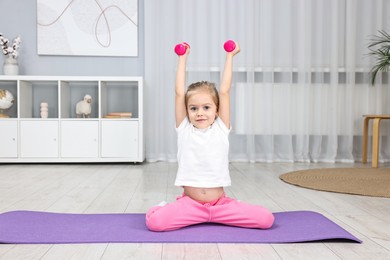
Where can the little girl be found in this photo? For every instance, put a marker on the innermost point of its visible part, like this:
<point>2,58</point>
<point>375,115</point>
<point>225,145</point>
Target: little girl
<point>203,127</point>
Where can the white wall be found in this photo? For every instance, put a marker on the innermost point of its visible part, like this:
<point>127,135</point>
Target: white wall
<point>19,18</point>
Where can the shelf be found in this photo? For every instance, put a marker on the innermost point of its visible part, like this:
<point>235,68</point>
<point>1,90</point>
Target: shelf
<point>33,92</point>
<point>119,97</point>
<point>73,92</point>
<point>111,132</point>
<point>11,86</point>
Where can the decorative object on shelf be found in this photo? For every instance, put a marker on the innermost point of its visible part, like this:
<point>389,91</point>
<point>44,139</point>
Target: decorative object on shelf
<point>119,115</point>
<point>380,50</point>
<point>10,66</point>
<point>44,110</point>
<point>83,107</point>
<point>6,101</point>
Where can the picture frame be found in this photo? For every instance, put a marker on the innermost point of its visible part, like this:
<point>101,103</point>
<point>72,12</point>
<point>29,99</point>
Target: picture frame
<point>87,28</point>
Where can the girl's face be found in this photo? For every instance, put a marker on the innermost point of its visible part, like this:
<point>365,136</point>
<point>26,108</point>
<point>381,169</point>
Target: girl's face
<point>201,109</point>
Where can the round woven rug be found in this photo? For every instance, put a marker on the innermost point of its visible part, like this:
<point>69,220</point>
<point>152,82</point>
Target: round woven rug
<point>359,181</point>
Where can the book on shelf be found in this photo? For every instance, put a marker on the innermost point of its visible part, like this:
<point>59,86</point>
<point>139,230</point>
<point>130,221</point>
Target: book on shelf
<point>119,115</point>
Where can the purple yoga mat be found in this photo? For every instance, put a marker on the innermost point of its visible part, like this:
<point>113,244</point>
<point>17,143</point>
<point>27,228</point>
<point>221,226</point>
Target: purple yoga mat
<point>31,227</point>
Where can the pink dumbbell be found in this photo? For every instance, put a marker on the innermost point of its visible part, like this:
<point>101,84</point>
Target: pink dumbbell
<point>181,48</point>
<point>229,46</point>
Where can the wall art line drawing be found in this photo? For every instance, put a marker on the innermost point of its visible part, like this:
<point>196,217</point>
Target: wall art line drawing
<point>87,27</point>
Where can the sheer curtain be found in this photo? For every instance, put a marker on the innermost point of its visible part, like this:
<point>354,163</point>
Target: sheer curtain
<point>300,83</point>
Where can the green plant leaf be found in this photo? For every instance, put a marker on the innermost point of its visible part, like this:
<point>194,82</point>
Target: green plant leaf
<point>380,50</point>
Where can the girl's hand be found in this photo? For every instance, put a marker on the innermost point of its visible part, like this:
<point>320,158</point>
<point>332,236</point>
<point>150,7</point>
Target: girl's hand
<point>236,50</point>
<point>182,49</point>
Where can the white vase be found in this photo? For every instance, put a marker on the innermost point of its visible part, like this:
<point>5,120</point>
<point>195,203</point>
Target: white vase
<point>11,66</point>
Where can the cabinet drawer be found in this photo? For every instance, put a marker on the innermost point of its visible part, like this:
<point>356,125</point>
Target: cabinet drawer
<point>8,139</point>
<point>39,139</point>
<point>79,139</point>
<point>120,139</point>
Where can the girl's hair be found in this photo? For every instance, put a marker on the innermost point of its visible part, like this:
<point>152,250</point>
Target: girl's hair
<point>204,86</point>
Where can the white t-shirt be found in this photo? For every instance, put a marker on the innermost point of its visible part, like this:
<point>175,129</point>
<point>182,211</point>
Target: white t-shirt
<point>203,155</point>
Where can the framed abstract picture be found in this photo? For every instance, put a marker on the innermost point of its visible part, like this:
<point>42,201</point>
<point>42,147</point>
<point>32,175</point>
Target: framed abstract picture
<point>87,27</point>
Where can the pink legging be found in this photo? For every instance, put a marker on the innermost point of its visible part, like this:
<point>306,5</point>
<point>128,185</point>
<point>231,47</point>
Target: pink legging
<point>186,211</point>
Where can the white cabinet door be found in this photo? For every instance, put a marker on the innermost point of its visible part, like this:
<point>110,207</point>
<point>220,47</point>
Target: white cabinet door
<point>79,139</point>
<point>8,139</point>
<point>39,139</point>
<point>120,139</point>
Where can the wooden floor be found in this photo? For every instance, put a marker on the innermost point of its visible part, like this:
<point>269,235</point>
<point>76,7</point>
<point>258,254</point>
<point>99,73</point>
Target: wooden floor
<point>117,188</point>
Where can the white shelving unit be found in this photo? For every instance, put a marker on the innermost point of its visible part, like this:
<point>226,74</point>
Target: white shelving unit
<point>62,137</point>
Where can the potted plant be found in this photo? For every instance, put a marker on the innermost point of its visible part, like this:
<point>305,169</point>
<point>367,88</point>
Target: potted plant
<point>380,50</point>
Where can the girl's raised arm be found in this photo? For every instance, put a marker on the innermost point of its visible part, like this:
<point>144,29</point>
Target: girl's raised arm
<point>224,91</point>
<point>180,107</point>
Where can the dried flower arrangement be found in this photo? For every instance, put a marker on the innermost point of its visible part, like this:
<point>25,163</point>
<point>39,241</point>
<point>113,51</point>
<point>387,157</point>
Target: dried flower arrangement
<point>10,50</point>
